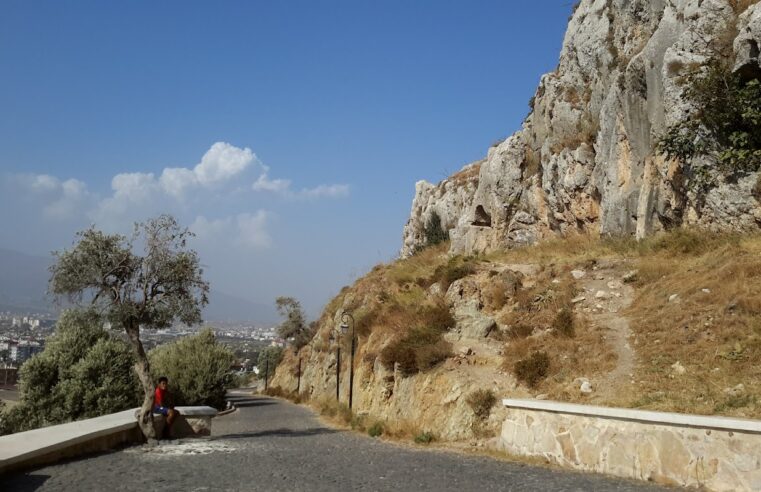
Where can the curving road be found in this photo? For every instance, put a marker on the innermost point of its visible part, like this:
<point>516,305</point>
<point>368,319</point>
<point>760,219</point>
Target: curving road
<point>268,444</point>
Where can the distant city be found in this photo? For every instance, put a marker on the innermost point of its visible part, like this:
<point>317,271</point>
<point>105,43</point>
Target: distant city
<point>22,335</point>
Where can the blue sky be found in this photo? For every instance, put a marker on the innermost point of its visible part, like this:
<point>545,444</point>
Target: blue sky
<point>112,112</point>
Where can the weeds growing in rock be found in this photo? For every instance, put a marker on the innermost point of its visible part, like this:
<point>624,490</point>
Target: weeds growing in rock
<point>564,323</point>
<point>375,430</point>
<point>425,438</point>
<point>481,402</point>
<point>532,369</point>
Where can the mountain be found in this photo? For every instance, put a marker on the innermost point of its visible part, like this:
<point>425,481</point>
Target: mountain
<point>24,282</point>
<point>645,125</point>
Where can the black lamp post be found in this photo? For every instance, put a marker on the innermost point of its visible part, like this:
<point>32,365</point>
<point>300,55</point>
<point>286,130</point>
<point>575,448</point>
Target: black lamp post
<point>345,318</point>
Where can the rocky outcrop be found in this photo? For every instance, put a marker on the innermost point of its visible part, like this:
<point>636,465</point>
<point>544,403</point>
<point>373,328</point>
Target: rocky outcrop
<point>585,158</point>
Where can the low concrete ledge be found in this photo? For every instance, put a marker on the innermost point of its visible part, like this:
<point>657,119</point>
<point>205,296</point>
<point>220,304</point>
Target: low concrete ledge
<point>56,442</point>
<point>715,453</point>
<point>50,444</point>
<point>646,416</point>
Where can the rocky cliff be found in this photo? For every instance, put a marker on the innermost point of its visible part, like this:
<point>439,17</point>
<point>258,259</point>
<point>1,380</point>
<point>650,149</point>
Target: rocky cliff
<point>586,157</point>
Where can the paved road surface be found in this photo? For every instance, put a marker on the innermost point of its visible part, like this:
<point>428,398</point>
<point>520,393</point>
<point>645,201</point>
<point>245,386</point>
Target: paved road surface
<point>271,445</point>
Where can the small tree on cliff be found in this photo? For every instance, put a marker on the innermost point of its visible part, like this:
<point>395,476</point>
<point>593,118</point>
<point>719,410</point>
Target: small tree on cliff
<point>295,326</point>
<point>151,290</point>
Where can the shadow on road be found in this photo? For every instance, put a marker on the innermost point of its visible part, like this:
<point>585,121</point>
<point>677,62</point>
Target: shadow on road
<point>250,401</point>
<point>282,432</point>
<point>23,483</point>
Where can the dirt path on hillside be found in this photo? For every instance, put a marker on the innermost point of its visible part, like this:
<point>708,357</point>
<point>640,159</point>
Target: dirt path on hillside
<point>606,296</point>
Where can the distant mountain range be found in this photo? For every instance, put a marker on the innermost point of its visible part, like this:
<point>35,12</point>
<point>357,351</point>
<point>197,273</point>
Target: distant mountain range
<point>24,282</point>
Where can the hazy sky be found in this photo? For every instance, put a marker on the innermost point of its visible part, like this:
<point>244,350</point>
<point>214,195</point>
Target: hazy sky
<point>288,135</point>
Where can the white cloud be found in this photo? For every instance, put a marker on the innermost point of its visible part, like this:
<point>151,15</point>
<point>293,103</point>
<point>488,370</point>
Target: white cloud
<point>44,183</point>
<point>72,200</point>
<point>59,199</point>
<point>175,180</point>
<point>245,229</point>
<point>283,187</point>
<point>252,229</point>
<point>329,191</point>
<point>221,162</point>
<point>263,183</point>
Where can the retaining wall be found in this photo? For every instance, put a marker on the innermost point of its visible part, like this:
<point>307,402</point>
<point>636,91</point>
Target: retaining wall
<point>717,453</point>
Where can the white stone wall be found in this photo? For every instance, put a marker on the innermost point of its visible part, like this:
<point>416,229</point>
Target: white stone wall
<point>715,454</point>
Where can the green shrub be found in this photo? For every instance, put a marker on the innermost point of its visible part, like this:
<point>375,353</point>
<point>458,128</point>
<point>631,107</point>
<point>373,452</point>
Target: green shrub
<point>564,323</point>
<point>726,124</point>
<point>375,430</point>
<point>420,349</point>
<point>521,331</point>
<point>456,268</point>
<point>82,373</point>
<point>425,438</point>
<point>481,402</point>
<point>268,360</point>
<point>532,369</point>
<point>433,231</point>
<point>198,369</point>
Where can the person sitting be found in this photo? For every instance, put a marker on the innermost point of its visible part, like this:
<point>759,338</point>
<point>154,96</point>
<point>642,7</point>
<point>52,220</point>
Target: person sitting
<point>162,404</point>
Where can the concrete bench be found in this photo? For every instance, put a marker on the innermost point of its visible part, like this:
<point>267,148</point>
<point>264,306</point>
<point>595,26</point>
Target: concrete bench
<point>192,422</point>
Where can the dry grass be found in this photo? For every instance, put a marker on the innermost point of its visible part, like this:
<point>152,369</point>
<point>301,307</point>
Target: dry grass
<point>469,174</point>
<point>715,335</point>
<point>741,6</point>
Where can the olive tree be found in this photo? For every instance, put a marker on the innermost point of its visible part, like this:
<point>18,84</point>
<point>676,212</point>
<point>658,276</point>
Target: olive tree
<point>295,327</point>
<point>149,280</point>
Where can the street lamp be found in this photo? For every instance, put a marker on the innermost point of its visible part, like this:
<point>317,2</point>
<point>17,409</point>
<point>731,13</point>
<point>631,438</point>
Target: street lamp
<point>345,318</point>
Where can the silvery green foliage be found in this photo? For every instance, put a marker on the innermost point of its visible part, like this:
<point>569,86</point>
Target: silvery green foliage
<point>268,360</point>
<point>83,372</point>
<point>153,290</point>
<point>295,327</point>
<point>198,369</point>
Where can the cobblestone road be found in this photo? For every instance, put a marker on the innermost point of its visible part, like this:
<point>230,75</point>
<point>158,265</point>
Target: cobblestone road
<point>271,445</point>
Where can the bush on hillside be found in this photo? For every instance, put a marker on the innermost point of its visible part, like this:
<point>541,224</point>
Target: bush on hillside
<point>433,231</point>
<point>564,323</point>
<point>83,372</point>
<point>481,402</point>
<point>198,369</point>
<point>420,349</point>
<point>726,124</point>
<point>533,369</point>
<point>456,268</point>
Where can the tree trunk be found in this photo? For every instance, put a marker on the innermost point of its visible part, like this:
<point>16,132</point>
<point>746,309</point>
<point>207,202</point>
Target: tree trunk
<point>142,368</point>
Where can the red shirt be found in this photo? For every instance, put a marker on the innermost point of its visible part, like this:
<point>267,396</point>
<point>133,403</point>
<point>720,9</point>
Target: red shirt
<point>158,398</point>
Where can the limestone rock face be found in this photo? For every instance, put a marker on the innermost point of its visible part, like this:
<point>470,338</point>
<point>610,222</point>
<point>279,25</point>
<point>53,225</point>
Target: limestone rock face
<point>585,158</point>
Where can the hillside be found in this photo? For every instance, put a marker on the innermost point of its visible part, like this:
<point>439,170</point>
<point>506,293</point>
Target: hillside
<point>670,323</point>
<point>606,253</point>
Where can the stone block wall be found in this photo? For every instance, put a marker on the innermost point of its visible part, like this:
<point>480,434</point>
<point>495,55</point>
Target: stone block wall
<point>718,454</point>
